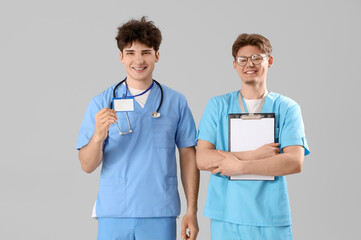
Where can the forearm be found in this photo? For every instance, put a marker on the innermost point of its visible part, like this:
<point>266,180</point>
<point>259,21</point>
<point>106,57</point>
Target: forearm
<point>279,165</point>
<point>207,156</point>
<point>91,155</point>
<point>190,177</point>
<point>246,155</point>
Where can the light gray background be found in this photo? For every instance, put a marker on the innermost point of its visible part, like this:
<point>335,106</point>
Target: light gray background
<point>56,55</point>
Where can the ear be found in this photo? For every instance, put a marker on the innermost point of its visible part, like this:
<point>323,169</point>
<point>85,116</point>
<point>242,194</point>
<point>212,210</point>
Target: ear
<point>157,56</point>
<point>234,65</point>
<point>121,57</point>
<point>270,61</point>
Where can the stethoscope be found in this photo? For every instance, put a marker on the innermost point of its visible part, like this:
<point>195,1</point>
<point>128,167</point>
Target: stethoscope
<point>155,114</point>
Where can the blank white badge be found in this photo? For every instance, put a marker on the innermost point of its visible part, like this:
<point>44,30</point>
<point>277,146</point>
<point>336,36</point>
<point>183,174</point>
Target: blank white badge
<point>123,105</point>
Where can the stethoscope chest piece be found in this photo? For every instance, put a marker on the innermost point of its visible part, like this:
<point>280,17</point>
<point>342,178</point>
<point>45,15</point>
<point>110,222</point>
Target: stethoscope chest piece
<point>155,114</point>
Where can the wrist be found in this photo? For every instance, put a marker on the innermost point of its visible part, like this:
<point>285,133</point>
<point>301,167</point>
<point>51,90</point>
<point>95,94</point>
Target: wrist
<point>98,140</point>
<point>243,166</point>
<point>191,211</point>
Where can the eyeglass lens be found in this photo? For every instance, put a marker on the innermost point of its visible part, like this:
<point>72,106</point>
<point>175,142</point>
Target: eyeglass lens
<point>256,59</point>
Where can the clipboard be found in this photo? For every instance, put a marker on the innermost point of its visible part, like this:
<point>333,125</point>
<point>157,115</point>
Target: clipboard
<point>249,131</point>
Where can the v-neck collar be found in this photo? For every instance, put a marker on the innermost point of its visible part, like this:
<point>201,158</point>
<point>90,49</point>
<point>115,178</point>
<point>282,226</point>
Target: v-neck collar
<point>150,105</point>
<point>238,107</point>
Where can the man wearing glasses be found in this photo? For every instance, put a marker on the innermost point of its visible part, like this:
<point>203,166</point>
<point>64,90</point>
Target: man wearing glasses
<point>245,209</point>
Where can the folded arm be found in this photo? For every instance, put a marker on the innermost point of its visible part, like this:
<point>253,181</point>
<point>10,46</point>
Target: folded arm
<point>206,154</point>
<point>226,163</point>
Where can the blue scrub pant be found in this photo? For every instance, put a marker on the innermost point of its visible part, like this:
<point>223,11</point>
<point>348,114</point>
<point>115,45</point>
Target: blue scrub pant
<point>137,228</point>
<point>221,230</point>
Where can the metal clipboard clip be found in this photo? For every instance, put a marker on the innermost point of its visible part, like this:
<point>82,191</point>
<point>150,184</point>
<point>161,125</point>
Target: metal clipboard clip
<point>251,116</point>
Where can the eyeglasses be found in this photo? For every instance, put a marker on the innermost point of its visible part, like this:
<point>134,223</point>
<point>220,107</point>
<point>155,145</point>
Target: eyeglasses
<point>255,59</point>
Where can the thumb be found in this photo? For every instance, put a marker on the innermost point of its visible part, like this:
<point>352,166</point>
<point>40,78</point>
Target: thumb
<point>183,230</point>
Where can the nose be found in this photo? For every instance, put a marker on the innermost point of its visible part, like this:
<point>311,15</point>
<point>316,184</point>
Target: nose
<point>249,62</point>
<point>139,59</point>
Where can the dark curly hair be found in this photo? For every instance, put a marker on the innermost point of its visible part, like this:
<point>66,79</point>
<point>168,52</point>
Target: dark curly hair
<point>141,31</point>
<point>254,40</point>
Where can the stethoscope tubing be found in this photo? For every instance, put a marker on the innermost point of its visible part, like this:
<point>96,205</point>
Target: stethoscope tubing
<point>154,114</point>
<point>160,87</point>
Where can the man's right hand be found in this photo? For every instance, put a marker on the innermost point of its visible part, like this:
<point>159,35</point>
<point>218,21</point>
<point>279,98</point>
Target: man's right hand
<point>103,119</point>
<point>267,150</point>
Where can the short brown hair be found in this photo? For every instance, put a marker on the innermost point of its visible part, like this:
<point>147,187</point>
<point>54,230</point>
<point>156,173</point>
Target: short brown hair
<point>141,31</point>
<point>254,40</point>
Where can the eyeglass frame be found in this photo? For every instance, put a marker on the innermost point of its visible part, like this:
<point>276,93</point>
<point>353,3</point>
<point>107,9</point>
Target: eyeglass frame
<point>257,54</point>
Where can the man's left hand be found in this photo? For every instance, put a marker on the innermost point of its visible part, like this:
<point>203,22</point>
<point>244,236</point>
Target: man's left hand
<point>229,165</point>
<point>189,222</point>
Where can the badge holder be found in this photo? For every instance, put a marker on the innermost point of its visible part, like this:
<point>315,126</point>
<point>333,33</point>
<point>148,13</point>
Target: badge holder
<point>125,104</point>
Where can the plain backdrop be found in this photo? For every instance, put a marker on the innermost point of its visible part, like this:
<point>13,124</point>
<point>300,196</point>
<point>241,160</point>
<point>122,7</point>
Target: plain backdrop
<point>56,55</point>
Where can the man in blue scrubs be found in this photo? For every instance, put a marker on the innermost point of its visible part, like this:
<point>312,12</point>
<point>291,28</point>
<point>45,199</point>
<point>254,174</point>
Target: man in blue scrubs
<point>246,209</point>
<point>138,191</point>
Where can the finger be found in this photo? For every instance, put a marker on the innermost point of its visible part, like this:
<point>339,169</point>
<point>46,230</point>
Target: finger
<point>215,171</point>
<point>107,113</point>
<point>108,118</point>
<point>107,123</point>
<point>272,144</point>
<point>213,165</point>
<point>183,229</point>
<point>193,234</point>
<point>102,111</point>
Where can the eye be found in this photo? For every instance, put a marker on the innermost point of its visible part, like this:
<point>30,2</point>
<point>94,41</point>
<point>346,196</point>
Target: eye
<point>256,57</point>
<point>242,59</point>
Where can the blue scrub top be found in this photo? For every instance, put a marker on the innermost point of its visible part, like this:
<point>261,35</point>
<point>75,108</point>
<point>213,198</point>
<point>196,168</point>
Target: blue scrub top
<point>258,203</point>
<point>139,170</point>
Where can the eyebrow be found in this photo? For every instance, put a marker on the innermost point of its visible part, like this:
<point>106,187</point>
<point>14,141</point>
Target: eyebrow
<point>130,50</point>
<point>254,54</point>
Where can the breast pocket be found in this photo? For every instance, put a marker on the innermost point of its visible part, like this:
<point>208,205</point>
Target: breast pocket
<point>164,130</point>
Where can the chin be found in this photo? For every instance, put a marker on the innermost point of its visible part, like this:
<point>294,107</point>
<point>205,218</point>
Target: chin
<point>250,81</point>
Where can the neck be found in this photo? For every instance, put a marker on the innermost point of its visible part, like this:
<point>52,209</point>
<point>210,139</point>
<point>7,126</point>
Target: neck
<point>250,91</point>
<point>139,84</point>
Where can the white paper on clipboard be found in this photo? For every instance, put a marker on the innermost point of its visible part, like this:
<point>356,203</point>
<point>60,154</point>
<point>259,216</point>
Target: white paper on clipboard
<point>250,134</point>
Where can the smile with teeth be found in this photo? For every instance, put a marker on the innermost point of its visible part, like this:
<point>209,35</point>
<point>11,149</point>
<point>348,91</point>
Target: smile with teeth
<point>250,72</point>
<point>139,69</point>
